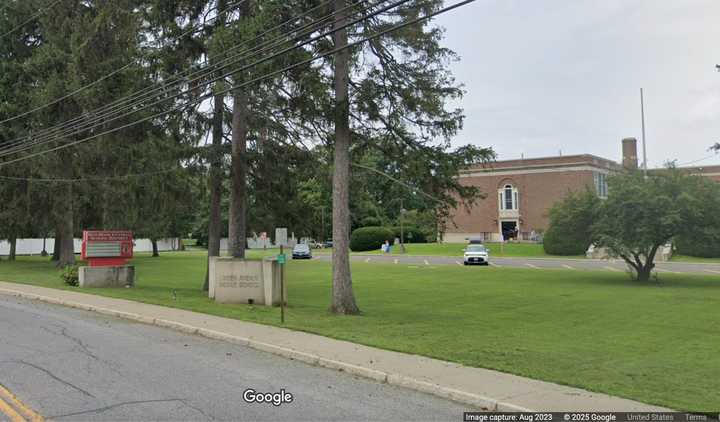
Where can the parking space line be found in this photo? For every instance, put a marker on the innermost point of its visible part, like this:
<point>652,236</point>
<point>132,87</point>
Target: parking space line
<point>367,260</point>
<point>532,266</point>
<point>611,269</point>
<point>395,261</point>
<point>8,411</point>
<point>713,271</point>
<point>8,401</point>
<point>426,262</point>
<point>458,262</point>
<point>568,267</point>
<point>495,265</point>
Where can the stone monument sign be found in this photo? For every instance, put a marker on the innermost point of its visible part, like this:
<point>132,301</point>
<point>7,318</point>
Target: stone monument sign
<point>253,282</point>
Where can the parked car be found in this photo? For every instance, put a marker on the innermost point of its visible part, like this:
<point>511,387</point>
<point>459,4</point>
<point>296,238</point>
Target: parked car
<point>475,241</point>
<point>301,251</point>
<point>476,254</point>
<point>328,244</point>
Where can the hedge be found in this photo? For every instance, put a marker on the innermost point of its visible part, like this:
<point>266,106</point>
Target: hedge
<point>562,242</point>
<point>698,246</point>
<point>369,238</point>
<point>570,222</point>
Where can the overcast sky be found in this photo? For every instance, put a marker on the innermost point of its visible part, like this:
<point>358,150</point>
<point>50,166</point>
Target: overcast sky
<point>549,75</point>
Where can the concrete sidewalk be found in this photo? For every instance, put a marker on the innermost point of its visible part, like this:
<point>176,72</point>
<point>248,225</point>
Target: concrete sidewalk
<point>479,388</point>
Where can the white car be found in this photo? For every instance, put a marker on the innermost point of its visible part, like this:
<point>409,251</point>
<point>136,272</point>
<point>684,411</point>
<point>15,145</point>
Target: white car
<point>476,254</point>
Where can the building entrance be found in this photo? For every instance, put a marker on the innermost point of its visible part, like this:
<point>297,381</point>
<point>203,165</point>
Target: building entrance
<point>509,230</point>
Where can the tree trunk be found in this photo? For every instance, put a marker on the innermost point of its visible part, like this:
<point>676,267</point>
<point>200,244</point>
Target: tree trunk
<point>13,248</point>
<point>215,182</point>
<point>67,247</point>
<point>56,244</point>
<point>343,300</point>
<point>238,194</point>
<point>643,273</point>
<point>643,270</point>
<point>216,173</point>
<point>156,253</point>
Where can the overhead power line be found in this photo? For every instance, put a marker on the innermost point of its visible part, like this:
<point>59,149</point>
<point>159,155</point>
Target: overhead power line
<point>253,81</point>
<point>132,99</point>
<point>101,115</point>
<point>398,181</point>
<point>32,18</point>
<point>114,72</point>
<point>86,179</point>
<point>698,160</point>
<point>104,119</point>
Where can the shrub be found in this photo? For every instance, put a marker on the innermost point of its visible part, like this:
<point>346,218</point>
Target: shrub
<point>70,276</point>
<point>369,238</point>
<point>560,242</point>
<point>698,245</point>
<point>370,222</point>
<point>570,222</point>
<point>412,234</point>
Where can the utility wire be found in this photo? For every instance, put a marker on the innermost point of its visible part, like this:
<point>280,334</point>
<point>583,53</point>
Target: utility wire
<point>697,161</point>
<point>202,98</point>
<point>135,98</point>
<point>111,74</point>
<point>32,18</point>
<point>86,179</point>
<point>229,73</point>
<point>398,181</point>
<point>269,75</point>
<point>74,124</point>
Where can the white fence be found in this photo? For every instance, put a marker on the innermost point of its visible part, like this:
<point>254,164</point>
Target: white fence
<point>258,243</point>
<point>35,246</point>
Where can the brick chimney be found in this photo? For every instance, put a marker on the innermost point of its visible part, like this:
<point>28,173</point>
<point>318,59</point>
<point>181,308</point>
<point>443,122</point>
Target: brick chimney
<point>629,152</point>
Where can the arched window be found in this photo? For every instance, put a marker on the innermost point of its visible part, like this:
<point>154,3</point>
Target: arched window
<point>508,197</point>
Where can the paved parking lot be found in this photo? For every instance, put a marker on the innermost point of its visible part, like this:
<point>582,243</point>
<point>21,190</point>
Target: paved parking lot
<point>536,263</point>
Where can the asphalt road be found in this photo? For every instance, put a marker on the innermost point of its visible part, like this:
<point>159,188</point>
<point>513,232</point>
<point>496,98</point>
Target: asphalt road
<point>534,263</point>
<point>72,365</point>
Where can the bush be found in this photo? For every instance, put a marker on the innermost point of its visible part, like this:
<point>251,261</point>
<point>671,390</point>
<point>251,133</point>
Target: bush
<point>699,246</point>
<point>369,238</point>
<point>570,222</point>
<point>559,242</point>
<point>412,234</point>
<point>370,221</point>
<point>70,275</point>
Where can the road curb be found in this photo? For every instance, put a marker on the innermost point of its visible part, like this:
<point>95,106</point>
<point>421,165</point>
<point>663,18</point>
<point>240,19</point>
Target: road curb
<point>398,380</point>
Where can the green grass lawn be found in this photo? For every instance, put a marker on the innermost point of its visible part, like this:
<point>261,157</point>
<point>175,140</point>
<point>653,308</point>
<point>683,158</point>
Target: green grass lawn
<point>696,259</point>
<point>442,249</point>
<point>456,249</point>
<point>656,343</point>
<point>508,250</point>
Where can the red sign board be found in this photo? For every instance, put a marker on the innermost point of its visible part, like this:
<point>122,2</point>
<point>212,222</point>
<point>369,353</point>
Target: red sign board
<point>107,248</point>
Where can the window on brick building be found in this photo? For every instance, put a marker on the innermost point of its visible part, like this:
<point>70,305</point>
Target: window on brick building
<point>601,186</point>
<point>508,198</point>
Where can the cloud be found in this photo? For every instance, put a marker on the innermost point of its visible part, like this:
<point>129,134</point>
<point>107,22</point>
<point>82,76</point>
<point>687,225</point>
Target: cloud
<point>548,75</point>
